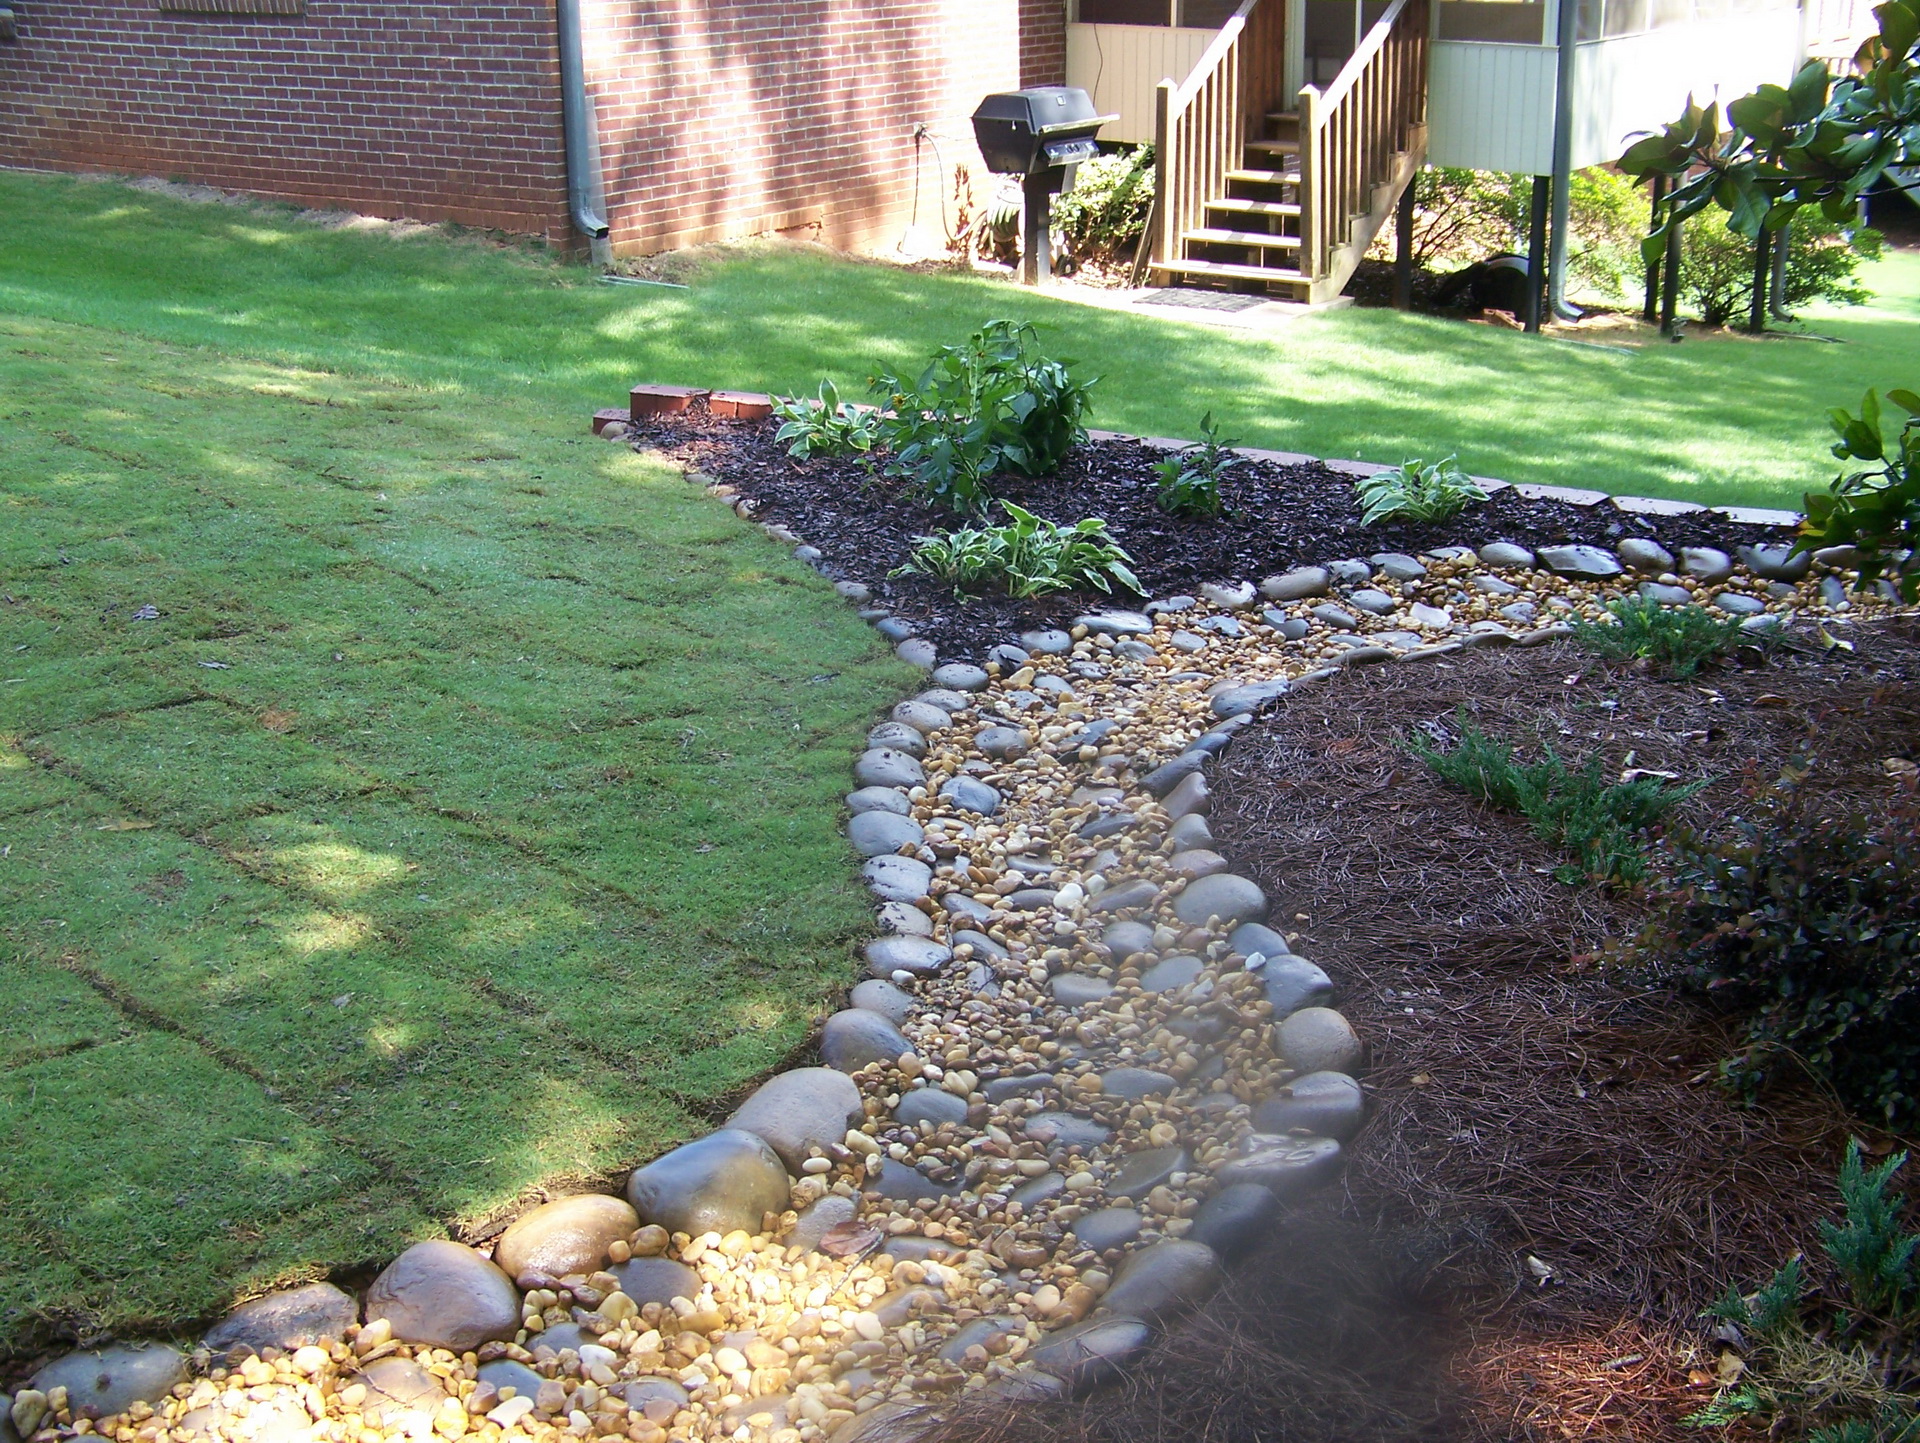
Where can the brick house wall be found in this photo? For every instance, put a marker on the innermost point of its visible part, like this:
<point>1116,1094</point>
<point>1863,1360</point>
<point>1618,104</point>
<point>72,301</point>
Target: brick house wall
<point>840,120</point>
<point>435,111</point>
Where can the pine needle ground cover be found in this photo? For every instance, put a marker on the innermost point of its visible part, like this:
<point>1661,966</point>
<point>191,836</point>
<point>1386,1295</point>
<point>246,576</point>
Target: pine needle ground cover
<point>406,802</point>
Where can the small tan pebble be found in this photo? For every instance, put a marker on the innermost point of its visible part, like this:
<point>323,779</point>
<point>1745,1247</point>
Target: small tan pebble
<point>372,1335</point>
<point>649,1241</point>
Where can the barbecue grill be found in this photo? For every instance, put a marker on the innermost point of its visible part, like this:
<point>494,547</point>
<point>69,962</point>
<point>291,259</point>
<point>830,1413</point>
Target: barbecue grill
<point>1039,134</point>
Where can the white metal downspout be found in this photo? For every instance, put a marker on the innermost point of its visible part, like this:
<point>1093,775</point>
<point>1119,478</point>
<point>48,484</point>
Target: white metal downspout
<point>586,196</point>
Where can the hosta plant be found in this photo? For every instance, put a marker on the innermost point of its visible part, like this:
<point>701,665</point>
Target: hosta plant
<point>1026,557</point>
<point>825,427</point>
<point>1417,491</point>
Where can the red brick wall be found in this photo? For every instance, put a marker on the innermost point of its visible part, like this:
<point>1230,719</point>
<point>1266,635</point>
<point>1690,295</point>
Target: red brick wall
<point>747,116</point>
<point>437,111</point>
<point>1043,42</point>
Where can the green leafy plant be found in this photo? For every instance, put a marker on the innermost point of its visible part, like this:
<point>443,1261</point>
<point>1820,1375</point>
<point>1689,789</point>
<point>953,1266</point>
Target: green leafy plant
<point>1188,484</point>
<point>825,427</point>
<point>1105,214</point>
<point>1874,1256</point>
<point>988,405</point>
<point>1601,823</point>
<point>1765,1313</point>
<point>1675,639</point>
<point>1809,923</point>
<point>1876,510</point>
<point>1417,491</point>
<point>1823,264</point>
<point>1027,557</point>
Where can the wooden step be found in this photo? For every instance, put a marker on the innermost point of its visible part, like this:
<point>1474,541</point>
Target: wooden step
<point>1221,270</point>
<point>1241,205</point>
<point>1275,147</point>
<point>1288,115</point>
<point>1214,236</point>
<point>1265,177</point>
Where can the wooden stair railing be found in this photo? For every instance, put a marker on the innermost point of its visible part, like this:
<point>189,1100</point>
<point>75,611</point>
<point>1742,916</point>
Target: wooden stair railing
<point>1361,142</point>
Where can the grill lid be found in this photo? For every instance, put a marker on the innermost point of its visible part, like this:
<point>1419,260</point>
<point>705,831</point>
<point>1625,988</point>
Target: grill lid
<point>1042,108</point>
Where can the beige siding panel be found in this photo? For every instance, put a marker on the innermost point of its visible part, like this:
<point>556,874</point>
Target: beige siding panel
<point>1490,107</point>
<point>1121,66</point>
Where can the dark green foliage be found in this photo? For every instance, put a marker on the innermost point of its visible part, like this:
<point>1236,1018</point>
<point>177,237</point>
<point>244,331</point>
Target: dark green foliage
<point>988,405</point>
<point>1811,923</point>
<point>1105,214</point>
<point>1875,510</point>
<point>826,427</point>
<point>1417,491</point>
<point>1601,823</point>
<point>1768,1311</point>
<point>1027,557</point>
<point>1676,639</point>
<point>1873,1255</point>
<point>1189,483</point>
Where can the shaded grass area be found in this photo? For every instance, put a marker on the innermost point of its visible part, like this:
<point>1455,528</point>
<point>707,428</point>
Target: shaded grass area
<point>407,803</point>
<point>1719,418</point>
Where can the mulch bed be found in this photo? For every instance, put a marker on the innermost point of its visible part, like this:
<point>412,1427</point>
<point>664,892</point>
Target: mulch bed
<point>1529,1101</point>
<point>1281,516</point>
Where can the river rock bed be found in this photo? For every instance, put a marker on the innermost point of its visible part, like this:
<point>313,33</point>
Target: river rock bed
<point>1085,1070</point>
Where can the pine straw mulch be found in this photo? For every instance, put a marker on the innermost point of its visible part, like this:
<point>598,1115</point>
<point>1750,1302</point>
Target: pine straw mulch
<point>1552,1183</point>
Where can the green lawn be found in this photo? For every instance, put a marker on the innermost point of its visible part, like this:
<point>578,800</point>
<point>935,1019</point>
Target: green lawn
<point>1721,419</point>
<point>461,819</point>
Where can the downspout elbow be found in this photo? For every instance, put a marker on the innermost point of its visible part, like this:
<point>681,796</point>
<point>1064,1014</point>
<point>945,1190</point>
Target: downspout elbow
<point>582,205</point>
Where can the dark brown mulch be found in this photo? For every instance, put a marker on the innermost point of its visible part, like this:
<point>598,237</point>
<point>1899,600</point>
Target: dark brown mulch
<point>1281,516</point>
<point>1532,1111</point>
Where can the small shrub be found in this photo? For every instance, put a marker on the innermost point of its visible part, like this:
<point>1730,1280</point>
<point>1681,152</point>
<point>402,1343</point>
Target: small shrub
<point>825,427</point>
<point>1027,557</point>
<point>1810,923</point>
<point>988,405</point>
<point>1105,214</point>
<point>1676,639</point>
<point>1189,484</point>
<point>1601,823</point>
<point>1874,1257</point>
<point>1417,491</point>
<point>1877,511</point>
<point>1823,264</point>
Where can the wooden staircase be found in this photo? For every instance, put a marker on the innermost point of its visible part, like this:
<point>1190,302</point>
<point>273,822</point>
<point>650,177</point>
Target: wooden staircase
<point>1260,190</point>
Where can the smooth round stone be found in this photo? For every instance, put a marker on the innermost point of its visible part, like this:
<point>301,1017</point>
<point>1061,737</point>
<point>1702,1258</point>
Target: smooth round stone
<point>1520,613</point>
<point>904,918</point>
<point>1141,1172</point>
<point>960,676</point>
<point>1046,643</point>
<point>1293,983</point>
<point>922,718</point>
<point>1003,743</point>
<point>293,1318</point>
<point>505,1373</point>
<point>1116,623</point>
<point>959,904</point>
<point>567,1235</point>
<point>878,834</point>
<point>1107,1228</point>
<point>1123,939</point>
<point>920,956</point>
<point>726,1180</point>
<point>1318,1039</point>
<point>1234,597</point>
<point>1110,825</point>
<point>930,1104</point>
<point>1040,1189</point>
<point>1159,1283</point>
<point>1329,615</point>
<point>897,879</point>
<point>1291,628</point>
<point>946,698</point>
<point>918,651</point>
<point>658,1280</point>
<point>982,944</point>
<point>1230,898</point>
<point>882,997</point>
<point>1071,989</point>
<point>879,799</point>
<point>1350,573</point>
<point>1191,834</point>
<point>1193,795</point>
<point>658,1399</point>
<point>1030,1084</point>
<point>1298,584</point>
<point>1288,1167</point>
<point>1171,973</point>
<point>278,1418</point>
<point>1251,937</point>
<point>894,628</point>
<point>1663,595</point>
<point>1322,1104</point>
<point>858,592</point>
<point>562,1336</point>
<point>1734,604</point>
<point>1195,863</point>
<point>1132,649</point>
<point>1762,624</point>
<point>886,767</point>
<point>899,736</point>
<point>1494,586</point>
<point>1236,1219</point>
<point>1579,560</point>
<point>402,1397</point>
<point>804,1108</point>
<point>1397,565</point>
<point>817,1217</point>
<point>1090,1355</point>
<point>1368,599</point>
<point>446,1296</point>
<point>1134,1083</point>
<point>112,1379</point>
<point>1009,657</point>
<point>970,794</point>
<point>1640,553</point>
<point>1164,778</point>
<point>902,1183</point>
<point>1505,554</point>
<point>1031,899</point>
<point>1125,896</point>
<point>1707,563</point>
<point>1775,563</point>
<point>1065,1129</point>
<point>1433,618</point>
<point>857,1038</point>
<point>977,1331</point>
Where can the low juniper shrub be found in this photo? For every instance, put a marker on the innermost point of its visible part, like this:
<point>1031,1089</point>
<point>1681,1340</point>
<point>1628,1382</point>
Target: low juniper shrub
<point>1672,640</point>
